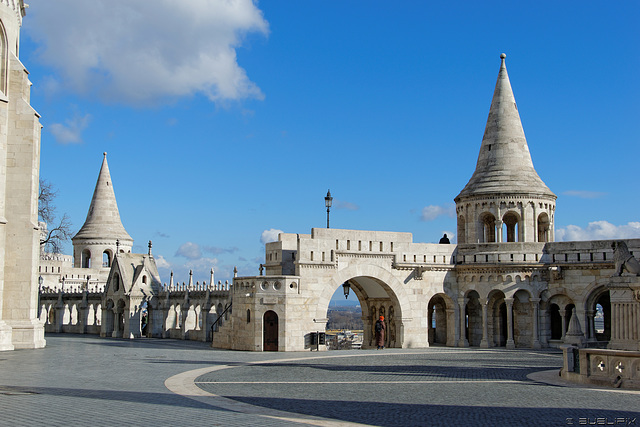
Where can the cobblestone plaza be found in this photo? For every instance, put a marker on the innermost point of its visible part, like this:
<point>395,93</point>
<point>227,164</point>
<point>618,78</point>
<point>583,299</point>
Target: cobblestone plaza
<point>82,380</point>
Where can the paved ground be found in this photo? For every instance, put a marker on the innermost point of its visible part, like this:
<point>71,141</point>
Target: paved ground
<point>84,380</point>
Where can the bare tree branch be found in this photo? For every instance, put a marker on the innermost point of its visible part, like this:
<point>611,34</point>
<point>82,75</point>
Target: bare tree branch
<point>59,231</point>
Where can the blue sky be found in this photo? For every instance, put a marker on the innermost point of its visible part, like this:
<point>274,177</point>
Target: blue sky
<point>224,121</point>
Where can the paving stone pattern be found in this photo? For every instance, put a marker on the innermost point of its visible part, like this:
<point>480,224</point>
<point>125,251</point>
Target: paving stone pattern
<point>81,380</point>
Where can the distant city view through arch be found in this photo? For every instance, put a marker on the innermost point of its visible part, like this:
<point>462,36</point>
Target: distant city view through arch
<point>345,327</point>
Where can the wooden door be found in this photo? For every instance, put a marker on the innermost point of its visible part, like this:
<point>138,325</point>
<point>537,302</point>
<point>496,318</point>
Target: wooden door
<point>270,332</point>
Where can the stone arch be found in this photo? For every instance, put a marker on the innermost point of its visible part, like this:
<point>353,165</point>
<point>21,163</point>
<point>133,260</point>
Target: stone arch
<point>522,318</point>
<point>598,312</point>
<point>374,286</point>
<point>558,316</point>
<point>511,227</point>
<point>441,320</point>
<point>473,318</point>
<point>189,319</point>
<point>487,224</point>
<point>107,257</point>
<point>544,227</point>
<point>86,258</point>
<point>496,319</point>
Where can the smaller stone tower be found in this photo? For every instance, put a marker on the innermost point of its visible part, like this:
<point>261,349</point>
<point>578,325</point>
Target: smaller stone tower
<point>505,200</point>
<point>102,233</point>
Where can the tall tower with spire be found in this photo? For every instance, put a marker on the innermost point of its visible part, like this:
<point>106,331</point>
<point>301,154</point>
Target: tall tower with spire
<point>505,200</point>
<point>102,234</point>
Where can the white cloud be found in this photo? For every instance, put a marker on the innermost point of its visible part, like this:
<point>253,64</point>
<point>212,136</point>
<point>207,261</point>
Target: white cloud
<point>341,204</point>
<point>584,194</point>
<point>270,235</point>
<point>70,132</point>
<point>139,52</point>
<point>190,251</point>
<point>431,212</point>
<point>161,262</point>
<point>598,230</point>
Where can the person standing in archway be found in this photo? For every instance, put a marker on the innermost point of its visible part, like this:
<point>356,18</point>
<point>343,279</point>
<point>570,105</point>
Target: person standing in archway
<point>380,329</point>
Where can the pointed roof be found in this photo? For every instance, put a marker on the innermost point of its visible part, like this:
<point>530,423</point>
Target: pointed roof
<point>504,163</point>
<point>103,220</point>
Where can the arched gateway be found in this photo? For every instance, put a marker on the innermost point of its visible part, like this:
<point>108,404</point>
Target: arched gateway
<point>505,284</point>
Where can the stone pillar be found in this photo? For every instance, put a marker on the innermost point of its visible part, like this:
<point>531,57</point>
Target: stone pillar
<point>510,343</point>
<point>543,336</point>
<point>165,307</point>
<point>564,323</point>
<point>485,330</point>
<point>535,223</point>
<point>535,341</point>
<point>452,339</point>
<point>499,236</point>
<point>462,341</point>
<point>117,322</point>
<point>83,315</point>
<point>184,314</point>
<point>204,315</point>
<point>591,327</point>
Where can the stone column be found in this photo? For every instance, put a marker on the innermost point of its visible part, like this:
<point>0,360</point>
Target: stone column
<point>510,343</point>
<point>591,327</point>
<point>462,303</point>
<point>535,341</point>
<point>451,320</point>
<point>485,330</point>
<point>564,323</point>
<point>204,315</point>
<point>535,223</point>
<point>543,336</point>
<point>499,236</point>
<point>117,315</point>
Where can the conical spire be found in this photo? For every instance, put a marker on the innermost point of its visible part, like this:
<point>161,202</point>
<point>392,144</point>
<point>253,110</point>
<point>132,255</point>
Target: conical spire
<point>504,163</point>
<point>103,219</point>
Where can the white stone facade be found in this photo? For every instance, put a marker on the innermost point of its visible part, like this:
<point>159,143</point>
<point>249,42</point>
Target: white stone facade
<point>505,284</point>
<point>19,171</point>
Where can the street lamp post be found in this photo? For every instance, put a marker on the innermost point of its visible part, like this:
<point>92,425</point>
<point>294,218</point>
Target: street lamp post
<point>327,202</point>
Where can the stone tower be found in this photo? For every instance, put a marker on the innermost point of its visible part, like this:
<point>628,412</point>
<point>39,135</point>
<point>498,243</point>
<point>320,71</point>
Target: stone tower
<point>505,200</point>
<point>102,233</point>
<point>19,172</point>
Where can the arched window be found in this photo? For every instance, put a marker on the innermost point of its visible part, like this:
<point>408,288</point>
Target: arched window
<point>3,59</point>
<point>86,258</point>
<point>488,223</point>
<point>511,229</point>
<point>106,259</point>
<point>543,227</point>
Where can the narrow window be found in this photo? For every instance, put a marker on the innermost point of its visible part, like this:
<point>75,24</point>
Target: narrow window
<point>311,255</point>
<point>348,244</point>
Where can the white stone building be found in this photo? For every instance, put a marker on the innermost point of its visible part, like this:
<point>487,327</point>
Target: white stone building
<point>19,170</point>
<point>505,284</point>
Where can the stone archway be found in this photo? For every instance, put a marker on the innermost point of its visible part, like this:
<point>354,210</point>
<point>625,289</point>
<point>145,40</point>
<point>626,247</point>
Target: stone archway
<point>441,321</point>
<point>376,288</point>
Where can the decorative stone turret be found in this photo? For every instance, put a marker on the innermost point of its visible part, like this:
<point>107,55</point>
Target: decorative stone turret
<point>102,233</point>
<point>505,200</point>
